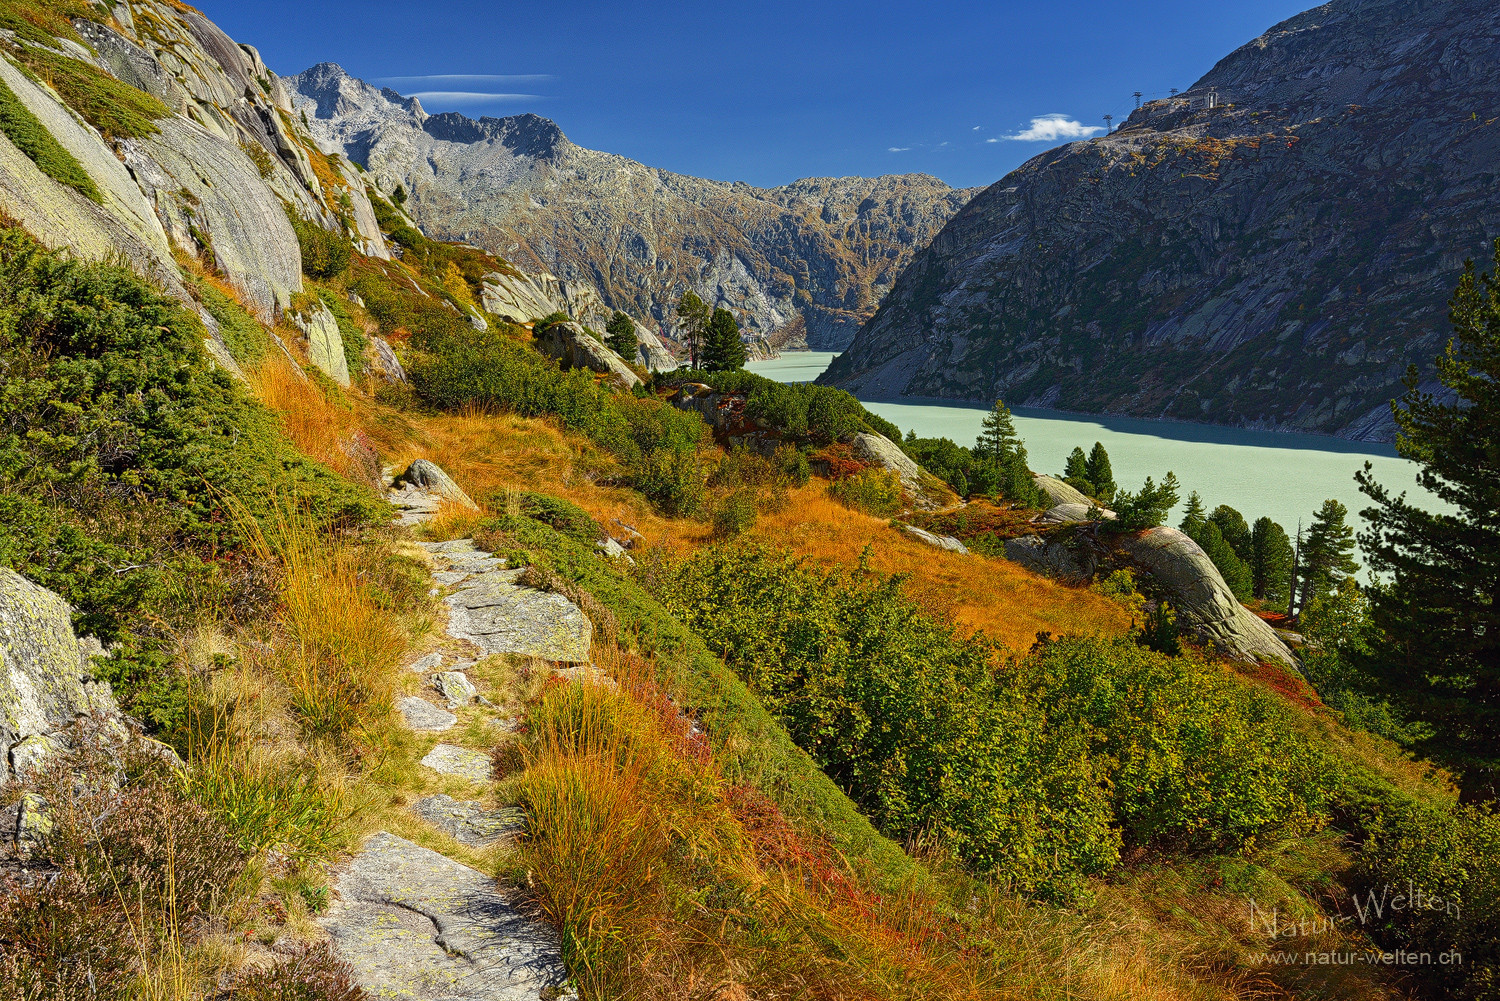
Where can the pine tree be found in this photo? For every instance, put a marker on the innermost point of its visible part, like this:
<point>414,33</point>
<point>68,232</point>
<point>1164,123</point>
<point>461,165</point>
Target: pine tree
<point>1233,569</point>
<point>1439,655</point>
<point>620,331</point>
<point>1327,555</point>
<point>1236,532</point>
<point>1100,474</point>
<point>1146,508</point>
<point>1076,472</point>
<point>1194,518</point>
<point>723,350</point>
<point>997,437</point>
<point>693,316</point>
<point>1270,564</point>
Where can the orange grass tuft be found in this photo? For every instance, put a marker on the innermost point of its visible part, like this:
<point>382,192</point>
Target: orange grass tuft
<point>1007,602</point>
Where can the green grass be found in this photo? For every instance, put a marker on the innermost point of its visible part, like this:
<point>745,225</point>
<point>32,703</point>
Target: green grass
<point>31,137</point>
<point>116,109</point>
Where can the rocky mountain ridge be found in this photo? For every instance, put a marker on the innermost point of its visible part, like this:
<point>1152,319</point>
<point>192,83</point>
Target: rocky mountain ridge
<point>1270,249</point>
<point>803,264</point>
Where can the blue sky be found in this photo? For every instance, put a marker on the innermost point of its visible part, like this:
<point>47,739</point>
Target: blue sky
<point>770,92</point>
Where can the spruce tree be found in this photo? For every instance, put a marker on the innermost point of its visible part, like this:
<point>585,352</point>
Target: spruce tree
<point>620,336</point>
<point>693,316</point>
<point>723,351</point>
<point>1100,474</point>
<point>1194,518</point>
<point>1270,564</point>
<point>1236,532</point>
<point>1439,651</point>
<point>1327,555</point>
<point>997,436</point>
<point>1233,569</point>
<point>1076,472</point>
<point>999,448</point>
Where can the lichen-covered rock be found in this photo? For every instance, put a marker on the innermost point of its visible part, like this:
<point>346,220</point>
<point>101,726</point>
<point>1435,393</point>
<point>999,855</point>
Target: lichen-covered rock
<point>450,759</point>
<point>502,617</point>
<point>454,686</point>
<point>879,451</point>
<point>45,681</point>
<point>430,477</point>
<point>468,822</point>
<point>577,348</point>
<point>325,345</point>
<point>383,361</point>
<point>416,924</point>
<point>925,537</point>
<point>209,193</point>
<point>1052,559</point>
<point>1204,604</point>
<point>1062,514</point>
<point>1059,492</point>
<point>421,715</point>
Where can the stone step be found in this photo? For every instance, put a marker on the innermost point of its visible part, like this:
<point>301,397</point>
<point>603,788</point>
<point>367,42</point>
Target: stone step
<point>416,924</point>
<point>469,822</point>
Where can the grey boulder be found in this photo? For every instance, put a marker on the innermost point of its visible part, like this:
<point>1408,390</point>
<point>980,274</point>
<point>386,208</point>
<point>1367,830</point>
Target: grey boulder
<point>430,478</point>
<point>469,823</point>
<point>1204,604</point>
<point>577,348</point>
<point>947,542</point>
<point>45,681</point>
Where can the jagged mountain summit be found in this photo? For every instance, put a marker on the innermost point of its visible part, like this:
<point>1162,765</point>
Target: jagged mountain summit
<point>805,263</point>
<point>1269,249</point>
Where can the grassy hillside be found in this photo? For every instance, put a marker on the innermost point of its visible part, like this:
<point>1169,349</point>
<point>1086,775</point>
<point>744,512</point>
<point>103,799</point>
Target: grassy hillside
<point>837,763</point>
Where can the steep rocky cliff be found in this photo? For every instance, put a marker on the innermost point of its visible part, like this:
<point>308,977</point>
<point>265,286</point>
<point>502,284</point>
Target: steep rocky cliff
<point>1270,249</point>
<point>811,259</point>
<point>207,173</point>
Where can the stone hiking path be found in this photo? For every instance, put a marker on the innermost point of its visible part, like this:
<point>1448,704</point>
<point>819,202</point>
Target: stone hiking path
<point>413,923</point>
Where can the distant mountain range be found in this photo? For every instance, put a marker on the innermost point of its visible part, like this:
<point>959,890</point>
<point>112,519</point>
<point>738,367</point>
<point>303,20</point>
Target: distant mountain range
<point>805,264</point>
<point>1269,249</point>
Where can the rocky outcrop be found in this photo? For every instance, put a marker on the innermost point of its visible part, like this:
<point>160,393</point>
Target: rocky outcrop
<point>1269,249</point>
<point>430,477</point>
<point>820,252</point>
<point>1059,492</point>
<point>1204,604</point>
<point>576,348</point>
<point>879,451</point>
<point>211,180</point>
<point>468,822</point>
<point>45,679</point>
<point>405,917</point>
<point>1050,558</point>
<point>325,345</point>
<point>927,538</point>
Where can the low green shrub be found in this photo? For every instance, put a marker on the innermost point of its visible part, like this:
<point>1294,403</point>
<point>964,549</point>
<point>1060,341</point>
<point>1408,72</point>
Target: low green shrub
<point>873,491</point>
<point>325,254</point>
<point>802,411</point>
<point>243,334</point>
<point>735,513</point>
<point>121,444</point>
<point>1037,773</point>
<point>564,516</point>
<point>31,137</point>
<point>115,108</point>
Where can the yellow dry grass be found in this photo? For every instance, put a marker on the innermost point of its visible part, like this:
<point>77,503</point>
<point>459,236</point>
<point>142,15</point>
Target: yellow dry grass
<point>1008,603</point>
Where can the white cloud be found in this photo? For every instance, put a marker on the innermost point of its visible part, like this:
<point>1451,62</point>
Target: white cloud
<point>977,128</point>
<point>469,96</point>
<point>468,78</point>
<point>1051,128</point>
<point>897,149</point>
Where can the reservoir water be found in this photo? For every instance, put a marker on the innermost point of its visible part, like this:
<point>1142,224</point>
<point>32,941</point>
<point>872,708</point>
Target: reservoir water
<point>1285,476</point>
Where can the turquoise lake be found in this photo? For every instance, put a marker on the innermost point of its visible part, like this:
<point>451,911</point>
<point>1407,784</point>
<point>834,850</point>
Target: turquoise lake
<point>1285,476</point>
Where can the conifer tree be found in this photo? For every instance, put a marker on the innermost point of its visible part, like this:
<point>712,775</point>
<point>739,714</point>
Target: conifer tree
<point>620,331</point>
<point>1236,532</point>
<point>693,316</point>
<point>1270,563</point>
<point>1076,472</point>
<point>1001,459</point>
<point>997,437</point>
<point>1439,651</point>
<point>1327,554</point>
<point>1233,569</point>
<point>1194,518</point>
<point>1100,474</point>
<point>723,350</point>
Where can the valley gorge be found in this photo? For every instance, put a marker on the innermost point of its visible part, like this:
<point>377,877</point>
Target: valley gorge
<point>802,265</point>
